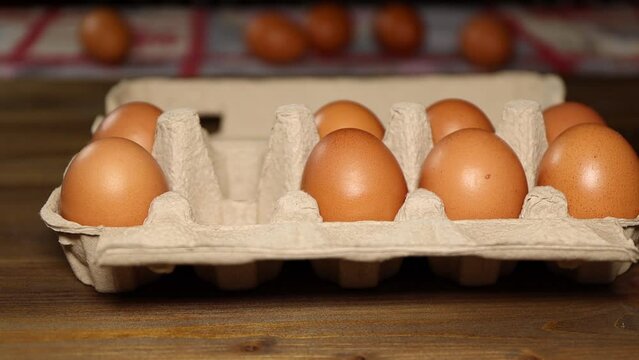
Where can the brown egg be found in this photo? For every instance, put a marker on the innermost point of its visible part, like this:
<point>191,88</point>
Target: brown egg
<point>329,28</point>
<point>450,115</point>
<point>135,121</point>
<point>596,169</point>
<point>274,38</point>
<point>399,30</point>
<point>354,177</point>
<point>476,175</point>
<point>111,182</point>
<point>105,36</point>
<point>344,114</point>
<point>486,41</point>
<point>560,117</point>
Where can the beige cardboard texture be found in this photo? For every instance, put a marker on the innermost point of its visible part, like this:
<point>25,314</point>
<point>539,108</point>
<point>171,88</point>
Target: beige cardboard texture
<point>235,208</point>
<point>246,105</point>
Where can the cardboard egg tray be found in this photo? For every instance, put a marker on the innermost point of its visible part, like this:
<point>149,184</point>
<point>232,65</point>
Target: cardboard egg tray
<point>235,210</point>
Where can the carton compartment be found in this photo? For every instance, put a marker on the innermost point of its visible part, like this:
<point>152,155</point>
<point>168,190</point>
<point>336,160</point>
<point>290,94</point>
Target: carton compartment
<point>80,253</point>
<point>598,272</point>
<point>219,180</point>
<point>242,276</point>
<point>356,274</point>
<point>235,209</point>
<point>471,270</point>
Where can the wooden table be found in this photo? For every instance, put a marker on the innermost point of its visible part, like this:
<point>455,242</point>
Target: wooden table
<point>46,313</point>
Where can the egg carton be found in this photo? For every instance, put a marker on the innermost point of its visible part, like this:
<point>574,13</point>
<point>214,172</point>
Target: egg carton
<point>235,210</point>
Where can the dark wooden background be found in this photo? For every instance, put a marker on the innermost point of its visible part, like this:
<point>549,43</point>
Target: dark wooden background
<point>46,313</point>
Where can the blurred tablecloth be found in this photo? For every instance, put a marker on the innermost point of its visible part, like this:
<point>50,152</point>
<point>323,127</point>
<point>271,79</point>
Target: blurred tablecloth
<point>171,41</point>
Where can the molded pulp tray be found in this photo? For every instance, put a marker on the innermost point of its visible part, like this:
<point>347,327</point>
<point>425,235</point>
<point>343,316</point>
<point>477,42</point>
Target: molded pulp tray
<point>235,210</point>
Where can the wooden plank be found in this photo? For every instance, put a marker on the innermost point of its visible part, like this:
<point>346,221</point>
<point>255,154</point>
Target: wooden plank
<point>26,144</point>
<point>37,101</point>
<point>23,235</point>
<point>614,98</point>
<point>415,315</point>
<point>45,170</point>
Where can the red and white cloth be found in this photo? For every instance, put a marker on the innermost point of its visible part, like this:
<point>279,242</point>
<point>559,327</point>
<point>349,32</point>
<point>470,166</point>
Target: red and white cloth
<point>177,41</point>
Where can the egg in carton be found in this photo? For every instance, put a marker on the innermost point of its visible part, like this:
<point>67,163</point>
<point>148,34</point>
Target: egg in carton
<point>236,210</point>
<point>184,225</point>
<point>522,127</point>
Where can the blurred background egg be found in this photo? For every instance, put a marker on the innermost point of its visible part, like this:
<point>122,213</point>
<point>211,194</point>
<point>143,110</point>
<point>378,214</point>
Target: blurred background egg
<point>135,121</point>
<point>486,41</point>
<point>105,35</point>
<point>353,176</point>
<point>450,115</point>
<point>347,114</point>
<point>476,175</point>
<point>329,28</point>
<point>399,29</point>
<point>560,117</point>
<point>275,38</point>
<point>111,182</point>
<point>596,169</point>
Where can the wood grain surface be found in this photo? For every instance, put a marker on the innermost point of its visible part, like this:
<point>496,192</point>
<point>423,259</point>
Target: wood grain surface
<point>46,313</point>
